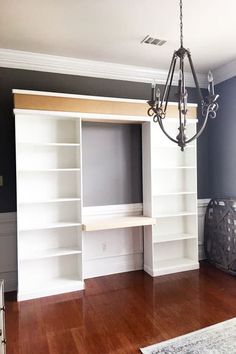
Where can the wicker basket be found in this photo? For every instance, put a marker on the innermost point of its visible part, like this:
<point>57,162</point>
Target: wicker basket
<point>220,234</point>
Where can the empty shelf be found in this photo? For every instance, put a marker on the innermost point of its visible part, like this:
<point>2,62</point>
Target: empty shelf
<point>181,213</point>
<point>48,226</point>
<point>168,146</point>
<point>48,144</point>
<point>174,193</point>
<point>116,223</point>
<point>175,168</point>
<point>54,252</point>
<point>50,170</point>
<point>173,237</point>
<point>55,200</point>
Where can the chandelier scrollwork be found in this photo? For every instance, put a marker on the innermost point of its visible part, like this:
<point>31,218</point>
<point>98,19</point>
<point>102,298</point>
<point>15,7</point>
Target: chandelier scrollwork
<point>159,103</point>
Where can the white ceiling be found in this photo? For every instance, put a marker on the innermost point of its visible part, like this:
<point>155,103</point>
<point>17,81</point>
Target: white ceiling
<point>111,30</point>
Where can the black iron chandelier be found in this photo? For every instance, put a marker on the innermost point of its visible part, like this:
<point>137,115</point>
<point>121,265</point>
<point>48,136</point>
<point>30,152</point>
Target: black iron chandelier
<point>158,105</point>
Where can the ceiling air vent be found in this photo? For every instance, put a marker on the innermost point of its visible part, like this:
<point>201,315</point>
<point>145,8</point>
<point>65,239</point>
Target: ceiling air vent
<point>155,41</point>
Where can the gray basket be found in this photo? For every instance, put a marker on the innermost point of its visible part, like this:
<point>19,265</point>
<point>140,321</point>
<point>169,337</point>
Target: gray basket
<point>220,234</point>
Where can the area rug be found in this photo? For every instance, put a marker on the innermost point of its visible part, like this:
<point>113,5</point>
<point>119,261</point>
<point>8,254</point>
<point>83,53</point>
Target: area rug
<point>216,339</point>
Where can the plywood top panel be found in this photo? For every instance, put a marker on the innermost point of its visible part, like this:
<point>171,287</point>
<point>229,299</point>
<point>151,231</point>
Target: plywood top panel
<point>89,104</point>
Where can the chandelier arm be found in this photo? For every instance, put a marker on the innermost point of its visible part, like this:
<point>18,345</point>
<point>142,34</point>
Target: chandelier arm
<point>183,93</point>
<point>180,90</point>
<point>194,76</point>
<point>174,57</point>
<point>163,129</point>
<point>202,127</point>
<point>170,83</point>
<point>183,78</point>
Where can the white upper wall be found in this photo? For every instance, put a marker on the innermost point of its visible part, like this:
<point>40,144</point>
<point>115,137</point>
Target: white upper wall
<point>111,30</point>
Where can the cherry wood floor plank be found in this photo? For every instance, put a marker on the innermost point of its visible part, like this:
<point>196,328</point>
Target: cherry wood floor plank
<point>120,313</point>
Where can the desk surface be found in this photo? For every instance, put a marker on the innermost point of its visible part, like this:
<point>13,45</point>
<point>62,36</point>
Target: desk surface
<point>95,224</point>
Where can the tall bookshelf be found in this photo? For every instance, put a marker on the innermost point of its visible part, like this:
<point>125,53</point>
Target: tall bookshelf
<point>49,204</point>
<point>170,195</point>
<point>49,190</point>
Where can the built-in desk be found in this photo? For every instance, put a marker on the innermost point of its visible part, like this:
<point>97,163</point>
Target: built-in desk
<point>95,224</point>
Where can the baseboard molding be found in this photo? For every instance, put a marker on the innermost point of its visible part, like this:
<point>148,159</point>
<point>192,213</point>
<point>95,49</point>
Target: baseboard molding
<point>183,268</point>
<point>113,265</point>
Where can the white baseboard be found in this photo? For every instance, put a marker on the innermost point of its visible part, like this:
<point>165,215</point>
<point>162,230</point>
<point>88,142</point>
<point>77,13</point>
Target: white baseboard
<point>113,265</point>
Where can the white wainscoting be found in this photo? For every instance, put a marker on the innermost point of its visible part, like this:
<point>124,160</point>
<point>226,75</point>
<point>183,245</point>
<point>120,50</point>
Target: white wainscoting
<point>8,259</point>
<point>202,205</point>
<point>105,252</point>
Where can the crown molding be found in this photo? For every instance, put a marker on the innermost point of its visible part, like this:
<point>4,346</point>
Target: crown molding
<point>225,72</point>
<point>63,65</point>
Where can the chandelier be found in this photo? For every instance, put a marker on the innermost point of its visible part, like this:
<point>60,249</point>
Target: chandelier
<point>159,103</point>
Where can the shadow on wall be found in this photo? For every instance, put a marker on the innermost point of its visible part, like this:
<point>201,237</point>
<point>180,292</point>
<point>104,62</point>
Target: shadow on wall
<point>222,143</point>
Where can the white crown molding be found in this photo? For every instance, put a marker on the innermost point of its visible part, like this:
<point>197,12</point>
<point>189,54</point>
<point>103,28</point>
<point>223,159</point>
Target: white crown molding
<point>225,72</point>
<point>63,65</point>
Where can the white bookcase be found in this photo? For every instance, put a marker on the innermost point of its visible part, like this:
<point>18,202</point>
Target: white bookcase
<point>49,190</point>
<point>170,195</point>
<point>49,204</point>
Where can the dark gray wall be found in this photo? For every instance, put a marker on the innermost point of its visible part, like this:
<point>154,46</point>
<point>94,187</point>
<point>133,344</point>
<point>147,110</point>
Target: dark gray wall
<point>222,143</point>
<point>128,169</point>
<point>111,164</point>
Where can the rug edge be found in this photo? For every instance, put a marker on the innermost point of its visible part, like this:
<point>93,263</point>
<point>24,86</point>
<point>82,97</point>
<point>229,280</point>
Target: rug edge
<point>168,341</point>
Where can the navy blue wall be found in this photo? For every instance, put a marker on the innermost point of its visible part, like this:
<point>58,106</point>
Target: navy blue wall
<point>222,143</point>
<point>41,81</point>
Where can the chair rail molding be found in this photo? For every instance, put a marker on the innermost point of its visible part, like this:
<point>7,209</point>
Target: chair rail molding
<point>64,65</point>
<point>8,263</point>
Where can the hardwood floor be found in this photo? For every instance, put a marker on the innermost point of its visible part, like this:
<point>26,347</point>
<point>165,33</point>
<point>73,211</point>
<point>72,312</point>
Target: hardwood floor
<point>120,313</point>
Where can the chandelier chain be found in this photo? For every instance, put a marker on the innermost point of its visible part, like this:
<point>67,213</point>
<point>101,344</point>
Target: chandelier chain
<point>181,22</point>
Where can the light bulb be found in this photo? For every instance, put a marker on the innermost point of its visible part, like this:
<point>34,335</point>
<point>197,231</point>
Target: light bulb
<point>210,76</point>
